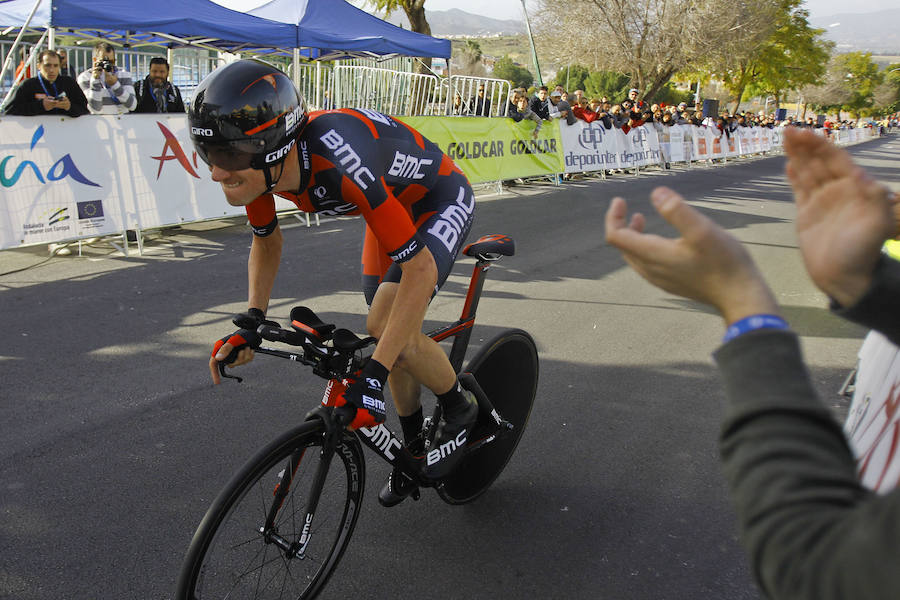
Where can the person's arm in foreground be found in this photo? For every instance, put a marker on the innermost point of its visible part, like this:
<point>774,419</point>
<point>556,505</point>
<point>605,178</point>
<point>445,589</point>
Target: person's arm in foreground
<point>838,203</point>
<point>810,530</point>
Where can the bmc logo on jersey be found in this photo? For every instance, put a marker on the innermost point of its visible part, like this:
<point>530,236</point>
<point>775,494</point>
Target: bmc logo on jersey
<point>279,154</point>
<point>348,159</point>
<point>408,167</point>
<point>202,131</point>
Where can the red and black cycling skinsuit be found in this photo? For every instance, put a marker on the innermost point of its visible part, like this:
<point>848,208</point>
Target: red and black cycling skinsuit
<point>412,195</point>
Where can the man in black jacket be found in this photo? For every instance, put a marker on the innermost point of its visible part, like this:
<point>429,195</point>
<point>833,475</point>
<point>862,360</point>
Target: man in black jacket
<point>540,104</point>
<point>49,93</point>
<point>155,93</point>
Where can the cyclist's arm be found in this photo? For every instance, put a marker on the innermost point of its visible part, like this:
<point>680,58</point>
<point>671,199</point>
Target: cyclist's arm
<point>409,306</point>
<point>262,266</point>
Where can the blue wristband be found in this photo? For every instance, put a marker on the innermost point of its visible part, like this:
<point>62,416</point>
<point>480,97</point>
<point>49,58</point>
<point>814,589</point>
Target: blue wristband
<point>752,323</point>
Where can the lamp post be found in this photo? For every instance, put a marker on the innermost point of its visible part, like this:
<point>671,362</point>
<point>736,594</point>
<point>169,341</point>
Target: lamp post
<point>537,67</point>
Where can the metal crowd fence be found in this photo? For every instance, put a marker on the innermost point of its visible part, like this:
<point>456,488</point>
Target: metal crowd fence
<point>385,90</point>
<point>477,96</point>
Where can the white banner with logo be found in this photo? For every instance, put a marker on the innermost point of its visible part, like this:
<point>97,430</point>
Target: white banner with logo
<point>593,147</point>
<point>95,175</point>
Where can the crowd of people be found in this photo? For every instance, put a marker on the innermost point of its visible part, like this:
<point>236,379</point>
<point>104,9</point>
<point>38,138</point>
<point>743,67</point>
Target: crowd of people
<point>105,88</point>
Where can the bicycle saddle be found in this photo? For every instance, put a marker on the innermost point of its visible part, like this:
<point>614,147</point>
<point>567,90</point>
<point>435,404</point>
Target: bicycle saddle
<point>306,321</point>
<point>495,244</point>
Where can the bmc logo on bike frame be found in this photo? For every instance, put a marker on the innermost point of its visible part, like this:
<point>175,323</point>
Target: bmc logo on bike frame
<point>380,437</point>
<point>447,448</point>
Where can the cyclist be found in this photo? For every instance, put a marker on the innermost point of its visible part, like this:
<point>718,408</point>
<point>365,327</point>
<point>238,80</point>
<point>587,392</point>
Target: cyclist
<point>250,125</point>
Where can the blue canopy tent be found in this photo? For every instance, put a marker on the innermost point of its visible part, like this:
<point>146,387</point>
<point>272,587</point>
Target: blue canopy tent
<point>330,26</point>
<point>348,31</point>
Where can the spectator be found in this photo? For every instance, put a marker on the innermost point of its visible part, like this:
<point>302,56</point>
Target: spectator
<point>633,98</point>
<point>481,104</point>
<point>811,530</point>
<point>49,93</point>
<point>634,120</point>
<point>617,116</point>
<point>525,112</point>
<point>64,67</point>
<point>667,119</point>
<point>560,109</point>
<point>577,97</point>
<point>459,107</point>
<point>540,104</point>
<point>155,93</point>
<point>23,52</point>
<point>583,111</point>
<point>109,89</point>
<point>512,106</point>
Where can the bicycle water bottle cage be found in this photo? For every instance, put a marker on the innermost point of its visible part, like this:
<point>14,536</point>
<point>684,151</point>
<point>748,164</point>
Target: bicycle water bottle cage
<point>305,321</point>
<point>491,247</point>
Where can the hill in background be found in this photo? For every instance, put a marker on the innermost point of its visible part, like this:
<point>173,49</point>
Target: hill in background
<point>877,32</point>
<point>459,23</point>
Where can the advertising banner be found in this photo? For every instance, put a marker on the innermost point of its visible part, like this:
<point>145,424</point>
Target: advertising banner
<point>97,175</point>
<point>491,149</point>
<point>592,147</point>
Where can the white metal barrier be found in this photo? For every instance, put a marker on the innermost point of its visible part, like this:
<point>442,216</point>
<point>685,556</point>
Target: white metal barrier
<point>387,91</point>
<point>477,96</point>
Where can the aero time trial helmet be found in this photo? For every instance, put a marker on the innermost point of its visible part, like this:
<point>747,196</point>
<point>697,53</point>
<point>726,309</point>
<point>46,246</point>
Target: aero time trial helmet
<point>246,114</point>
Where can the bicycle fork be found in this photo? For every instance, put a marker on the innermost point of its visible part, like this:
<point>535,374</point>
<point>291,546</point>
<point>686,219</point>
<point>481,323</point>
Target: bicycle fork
<point>269,531</point>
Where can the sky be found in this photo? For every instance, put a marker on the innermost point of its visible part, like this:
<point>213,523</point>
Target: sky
<point>512,9</point>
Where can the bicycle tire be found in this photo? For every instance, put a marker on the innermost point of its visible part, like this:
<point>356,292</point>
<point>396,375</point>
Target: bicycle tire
<point>228,557</point>
<point>506,368</point>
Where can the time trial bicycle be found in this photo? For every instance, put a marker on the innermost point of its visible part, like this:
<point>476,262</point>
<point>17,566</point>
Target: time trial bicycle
<point>280,526</point>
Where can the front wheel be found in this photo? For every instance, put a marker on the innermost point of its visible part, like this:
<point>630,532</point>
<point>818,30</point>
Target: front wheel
<point>506,368</point>
<point>253,541</point>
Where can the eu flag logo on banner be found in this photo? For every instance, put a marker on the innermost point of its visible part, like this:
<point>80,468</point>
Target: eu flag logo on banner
<point>90,209</point>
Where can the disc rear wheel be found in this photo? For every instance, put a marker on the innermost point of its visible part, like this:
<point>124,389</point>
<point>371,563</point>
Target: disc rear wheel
<point>506,368</point>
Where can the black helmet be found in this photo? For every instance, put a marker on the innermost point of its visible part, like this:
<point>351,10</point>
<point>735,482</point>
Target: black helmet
<point>246,114</point>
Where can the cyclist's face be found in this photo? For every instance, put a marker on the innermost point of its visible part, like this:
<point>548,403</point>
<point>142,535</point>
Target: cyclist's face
<point>240,187</point>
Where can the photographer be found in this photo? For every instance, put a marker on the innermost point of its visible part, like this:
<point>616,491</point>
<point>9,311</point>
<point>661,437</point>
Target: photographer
<point>155,93</point>
<point>109,89</point>
<point>49,93</point>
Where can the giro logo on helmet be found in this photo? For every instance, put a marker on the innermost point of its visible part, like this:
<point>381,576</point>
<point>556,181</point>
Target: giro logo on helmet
<point>202,131</point>
<point>277,155</point>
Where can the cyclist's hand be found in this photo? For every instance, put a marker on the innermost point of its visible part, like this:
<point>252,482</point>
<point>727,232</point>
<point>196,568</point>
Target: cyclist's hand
<point>365,395</point>
<point>234,350</point>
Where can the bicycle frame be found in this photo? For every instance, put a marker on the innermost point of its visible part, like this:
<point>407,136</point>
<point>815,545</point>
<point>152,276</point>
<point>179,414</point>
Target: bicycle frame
<point>381,440</point>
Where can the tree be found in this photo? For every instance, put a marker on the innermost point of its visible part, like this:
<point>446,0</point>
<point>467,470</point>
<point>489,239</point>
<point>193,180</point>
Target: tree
<point>887,95</point>
<point>415,12</point>
<point>794,55</point>
<point>571,77</point>
<point>517,75</point>
<point>649,40</point>
<point>862,77</point>
<point>608,83</point>
<point>470,59</point>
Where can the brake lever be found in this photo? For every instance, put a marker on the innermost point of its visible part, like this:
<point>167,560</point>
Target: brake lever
<point>226,375</point>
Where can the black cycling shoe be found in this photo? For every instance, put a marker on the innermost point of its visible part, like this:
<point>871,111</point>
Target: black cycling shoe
<point>397,488</point>
<point>399,485</point>
<point>449,442</point>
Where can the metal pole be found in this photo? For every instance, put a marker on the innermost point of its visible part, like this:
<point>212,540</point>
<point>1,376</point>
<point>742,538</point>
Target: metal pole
<point>537,67</point>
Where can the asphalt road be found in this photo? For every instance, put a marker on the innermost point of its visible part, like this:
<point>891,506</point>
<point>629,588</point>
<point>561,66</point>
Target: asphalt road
<point>114,442</point>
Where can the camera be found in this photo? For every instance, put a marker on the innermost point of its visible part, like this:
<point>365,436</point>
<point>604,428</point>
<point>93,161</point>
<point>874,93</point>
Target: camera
<point>106,65</point>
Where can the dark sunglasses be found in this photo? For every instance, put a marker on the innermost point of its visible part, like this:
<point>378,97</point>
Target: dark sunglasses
<point>230,156</point>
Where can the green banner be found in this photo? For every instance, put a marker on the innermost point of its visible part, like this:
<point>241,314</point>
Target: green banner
<point>493,149</point>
